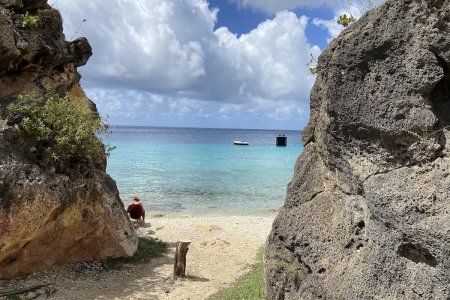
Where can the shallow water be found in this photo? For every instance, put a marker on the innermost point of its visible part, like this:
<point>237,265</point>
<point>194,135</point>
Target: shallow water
<point>192,170</point>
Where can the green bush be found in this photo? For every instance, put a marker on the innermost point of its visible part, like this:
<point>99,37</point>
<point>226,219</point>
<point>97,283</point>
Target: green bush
<point>29,21</point>
<point>63,130</point>
<point>345,21</point>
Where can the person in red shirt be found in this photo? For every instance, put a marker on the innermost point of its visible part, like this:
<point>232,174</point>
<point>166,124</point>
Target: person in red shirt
<point>136,210</point>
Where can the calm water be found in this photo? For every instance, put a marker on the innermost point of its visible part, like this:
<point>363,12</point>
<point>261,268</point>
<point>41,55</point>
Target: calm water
<point>200,170</point>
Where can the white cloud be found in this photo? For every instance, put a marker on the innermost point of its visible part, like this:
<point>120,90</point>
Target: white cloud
<point>183,106</point>
<point>152,45</point>
<point>167,53</point>
<point>355,9</point>
<point>140,108</point>
<point>273,6</point>
<point>269,62</point>
<point>331,26</point>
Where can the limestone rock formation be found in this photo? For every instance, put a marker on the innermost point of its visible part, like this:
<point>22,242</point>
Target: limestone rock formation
<point>46,217</point>
<point>367,213</point>
<point>38,60</point>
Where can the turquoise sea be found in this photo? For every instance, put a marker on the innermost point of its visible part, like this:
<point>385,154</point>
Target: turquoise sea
<point>200,171</point>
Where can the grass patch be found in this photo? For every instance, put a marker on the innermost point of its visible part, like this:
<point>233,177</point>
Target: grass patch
<point>248,287</point>
<point>147,248</point>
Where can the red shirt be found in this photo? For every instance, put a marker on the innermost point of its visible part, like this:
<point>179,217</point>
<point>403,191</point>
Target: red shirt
<point>135,210</point>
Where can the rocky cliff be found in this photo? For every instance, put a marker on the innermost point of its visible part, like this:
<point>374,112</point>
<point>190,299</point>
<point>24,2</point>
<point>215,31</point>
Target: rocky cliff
<point>367,213</point>
<point>48,217</point>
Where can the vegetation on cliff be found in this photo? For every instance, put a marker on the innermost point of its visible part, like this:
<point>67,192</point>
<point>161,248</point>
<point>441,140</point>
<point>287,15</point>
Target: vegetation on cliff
<point>64,131</point>
<point>56,201</point>
<point>29,21</point>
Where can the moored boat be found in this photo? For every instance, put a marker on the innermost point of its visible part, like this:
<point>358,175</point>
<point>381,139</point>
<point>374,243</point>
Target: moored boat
<point>241,143</point>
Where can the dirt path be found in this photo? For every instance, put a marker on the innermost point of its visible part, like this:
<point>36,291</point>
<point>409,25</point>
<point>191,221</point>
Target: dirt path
<point>222,249</point>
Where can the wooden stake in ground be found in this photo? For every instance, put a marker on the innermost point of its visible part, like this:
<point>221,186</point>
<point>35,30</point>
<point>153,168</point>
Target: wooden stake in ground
<point>179,267</point>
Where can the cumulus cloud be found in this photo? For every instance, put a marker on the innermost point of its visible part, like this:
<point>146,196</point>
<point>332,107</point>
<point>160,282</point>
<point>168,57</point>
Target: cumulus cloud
<point>272,6</point>
<point>153,45</point>
<point>167,51</point>
<point>267,63</point>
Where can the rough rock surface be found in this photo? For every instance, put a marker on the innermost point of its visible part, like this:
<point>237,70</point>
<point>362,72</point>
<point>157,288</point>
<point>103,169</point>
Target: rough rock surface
<point>367,214</point>
<point>38,60</point>
<point>48,218</point>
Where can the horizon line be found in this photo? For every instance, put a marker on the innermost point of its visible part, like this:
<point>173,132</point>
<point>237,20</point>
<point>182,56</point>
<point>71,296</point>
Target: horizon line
<point>190,127</point>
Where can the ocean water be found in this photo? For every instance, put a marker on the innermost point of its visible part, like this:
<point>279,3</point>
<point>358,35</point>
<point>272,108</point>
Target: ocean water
<point>200,171</point>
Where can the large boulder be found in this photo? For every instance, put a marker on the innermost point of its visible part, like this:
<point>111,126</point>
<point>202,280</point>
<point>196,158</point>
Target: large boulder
<point>367,214</point>
<point>49,217</point>
<point>38,59</point>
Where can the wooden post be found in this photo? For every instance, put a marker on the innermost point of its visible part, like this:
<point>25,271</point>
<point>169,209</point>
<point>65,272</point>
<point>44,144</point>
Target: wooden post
<point>179,267</point>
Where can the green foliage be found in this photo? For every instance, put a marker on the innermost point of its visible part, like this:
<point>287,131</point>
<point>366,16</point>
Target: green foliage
<point>63,130</point>
<point>312,64</point>
<point>147,248</point>
<point>29,21</point>
<point>13,297</point>
<point>355,10</point>
<point>248,287</point>
<point>345,21</point>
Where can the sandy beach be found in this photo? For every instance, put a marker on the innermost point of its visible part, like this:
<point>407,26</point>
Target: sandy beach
<point>222,249</point>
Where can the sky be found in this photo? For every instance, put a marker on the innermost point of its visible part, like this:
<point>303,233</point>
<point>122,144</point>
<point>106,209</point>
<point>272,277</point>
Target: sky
<point>202,63</point>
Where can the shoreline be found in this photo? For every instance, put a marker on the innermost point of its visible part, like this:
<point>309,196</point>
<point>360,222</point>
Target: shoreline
<point>192,214</point>
<point>223,247</point>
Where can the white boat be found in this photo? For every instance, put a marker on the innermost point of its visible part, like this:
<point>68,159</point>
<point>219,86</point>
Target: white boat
<point>242,143</point>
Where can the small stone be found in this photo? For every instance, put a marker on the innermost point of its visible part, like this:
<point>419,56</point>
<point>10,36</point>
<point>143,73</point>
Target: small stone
<point>40,291</point>
<point>212,242</point>
<point>30,295</point>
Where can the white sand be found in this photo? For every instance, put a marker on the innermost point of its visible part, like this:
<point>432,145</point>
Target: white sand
<point>222,249</point>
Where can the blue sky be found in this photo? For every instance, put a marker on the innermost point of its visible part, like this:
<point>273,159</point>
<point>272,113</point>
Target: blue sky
<point>243,20</point>
<point>199,63</point>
